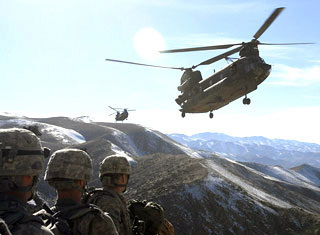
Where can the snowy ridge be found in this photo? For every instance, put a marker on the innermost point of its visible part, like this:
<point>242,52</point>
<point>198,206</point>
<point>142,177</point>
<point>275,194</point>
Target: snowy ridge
<point>118,151</point>
<point>289,176</point>
<point>13,115</point>
<point>125,140</point>
<point>186,150</point>
<point>309,172</point>
<point>258,194</point>
<point>287,153</point>
<point>85,119</point>
<point>66,136</point>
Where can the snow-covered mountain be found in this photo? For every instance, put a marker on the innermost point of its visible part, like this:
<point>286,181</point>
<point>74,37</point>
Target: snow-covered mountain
<point>202,193</point>
<point>286,153</point>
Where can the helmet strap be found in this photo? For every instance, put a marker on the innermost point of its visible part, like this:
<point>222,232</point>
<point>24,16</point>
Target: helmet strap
<point>112,181</point>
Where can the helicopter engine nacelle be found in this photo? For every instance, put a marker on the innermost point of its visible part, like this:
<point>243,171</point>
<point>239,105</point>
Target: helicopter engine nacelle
<point>188,79</point>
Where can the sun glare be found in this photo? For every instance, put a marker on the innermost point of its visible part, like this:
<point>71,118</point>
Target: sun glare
<point>148,42</point>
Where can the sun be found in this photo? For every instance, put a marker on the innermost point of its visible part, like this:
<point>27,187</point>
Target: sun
<point>148,42</point>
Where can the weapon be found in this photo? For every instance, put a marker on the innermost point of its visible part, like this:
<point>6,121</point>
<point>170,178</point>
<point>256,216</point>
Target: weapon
<point>138,227</point>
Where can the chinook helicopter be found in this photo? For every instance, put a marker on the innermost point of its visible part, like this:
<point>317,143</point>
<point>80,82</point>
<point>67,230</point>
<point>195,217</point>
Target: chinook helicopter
<point>236,80</point>
<point>121,114</point>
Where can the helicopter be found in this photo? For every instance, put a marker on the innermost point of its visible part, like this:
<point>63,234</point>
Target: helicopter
<point>121,114</point>
<point>236,80</point>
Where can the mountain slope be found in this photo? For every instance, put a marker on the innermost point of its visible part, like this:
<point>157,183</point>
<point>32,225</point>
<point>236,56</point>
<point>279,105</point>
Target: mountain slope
<point>202,193</point>
<point>216,196</point>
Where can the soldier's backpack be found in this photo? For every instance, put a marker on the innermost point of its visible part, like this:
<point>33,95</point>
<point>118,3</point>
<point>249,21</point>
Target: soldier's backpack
<point>150,212</point>
<point>61,222</point>
<point>14,215</point>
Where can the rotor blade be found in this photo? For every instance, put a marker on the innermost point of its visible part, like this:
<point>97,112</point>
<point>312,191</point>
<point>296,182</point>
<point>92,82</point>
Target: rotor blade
<point>113,108</point>
<point>131,110</point>
<point>291,43</point>
<point>219,57</point>
<point>268,22</point>
<point>200,48</point>
<point>149,65</point>
<point>111,114</point>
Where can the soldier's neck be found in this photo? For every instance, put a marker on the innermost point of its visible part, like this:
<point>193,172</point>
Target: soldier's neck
<point>75,195</point>
<point>23,196</point>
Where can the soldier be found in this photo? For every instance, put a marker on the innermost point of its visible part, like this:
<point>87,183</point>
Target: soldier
<point>21,163</point>
<point>114,174</point>
<point>68,172</point>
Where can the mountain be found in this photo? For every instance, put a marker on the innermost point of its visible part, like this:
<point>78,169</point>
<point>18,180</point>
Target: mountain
<point>201,192</point>
<point>286,153</point>
<point>219,196</point>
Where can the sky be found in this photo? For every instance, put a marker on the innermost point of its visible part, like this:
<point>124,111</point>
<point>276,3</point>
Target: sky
<point>52,62</point>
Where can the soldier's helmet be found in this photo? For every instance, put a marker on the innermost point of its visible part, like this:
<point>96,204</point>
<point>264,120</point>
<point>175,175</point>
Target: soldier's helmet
<point>114,165</point>
<point>21,153</point>
<point>70,164</point>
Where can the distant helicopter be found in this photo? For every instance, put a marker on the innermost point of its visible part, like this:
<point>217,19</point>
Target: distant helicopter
<point>122,114</point>
<point>236,80</point>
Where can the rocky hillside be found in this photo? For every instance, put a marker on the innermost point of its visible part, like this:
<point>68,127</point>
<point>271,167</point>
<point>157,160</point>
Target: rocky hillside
<point>285,153</point>
<point>219,196</point>
<point>202,193</point>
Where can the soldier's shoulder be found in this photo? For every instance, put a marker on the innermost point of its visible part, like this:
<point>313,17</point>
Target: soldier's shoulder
<point>104,198</point>
<point>88,212</point>
<point>97,220</point>
<point>102,192</point>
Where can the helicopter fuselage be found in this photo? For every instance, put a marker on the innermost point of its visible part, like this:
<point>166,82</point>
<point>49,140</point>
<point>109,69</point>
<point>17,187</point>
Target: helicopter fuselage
<point>232,82</point>
<point>122,116</point>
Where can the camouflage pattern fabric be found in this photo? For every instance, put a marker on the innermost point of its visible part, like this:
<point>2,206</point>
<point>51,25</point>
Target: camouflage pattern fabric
<point>114,165</point>
<point>83,219</point>
<point>115,205</point>
<point>20,153</point>
<point>166,228</point>
<point>73,164</point>
<point>20,222</point>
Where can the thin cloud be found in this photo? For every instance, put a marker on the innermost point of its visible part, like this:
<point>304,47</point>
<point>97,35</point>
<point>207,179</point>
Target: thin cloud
<point>292,76</point>
<point>298,123</point>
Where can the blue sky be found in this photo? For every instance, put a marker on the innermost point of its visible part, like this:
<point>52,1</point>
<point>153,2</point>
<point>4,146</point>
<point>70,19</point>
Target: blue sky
<point>52,62</point>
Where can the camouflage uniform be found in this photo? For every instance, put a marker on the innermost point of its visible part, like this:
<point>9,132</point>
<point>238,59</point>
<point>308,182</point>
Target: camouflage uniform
<point>64,167</point>
<point>21,154</point>
<point>107,199</point>
<point>115,205</point>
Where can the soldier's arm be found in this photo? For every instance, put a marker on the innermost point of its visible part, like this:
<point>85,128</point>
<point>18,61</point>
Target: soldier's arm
<point>102,224</point>
<point>112,207</point>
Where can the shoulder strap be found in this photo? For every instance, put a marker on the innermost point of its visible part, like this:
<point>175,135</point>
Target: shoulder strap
<point>98,193</point>
<point>91,195</point>
<point>4,230</point>
<point>12,218</point>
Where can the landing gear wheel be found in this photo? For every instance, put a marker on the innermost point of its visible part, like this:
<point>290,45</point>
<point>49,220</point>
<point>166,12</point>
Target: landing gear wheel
<point>210,115</point>
<point>246,101</point>
<point>183,114</point>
